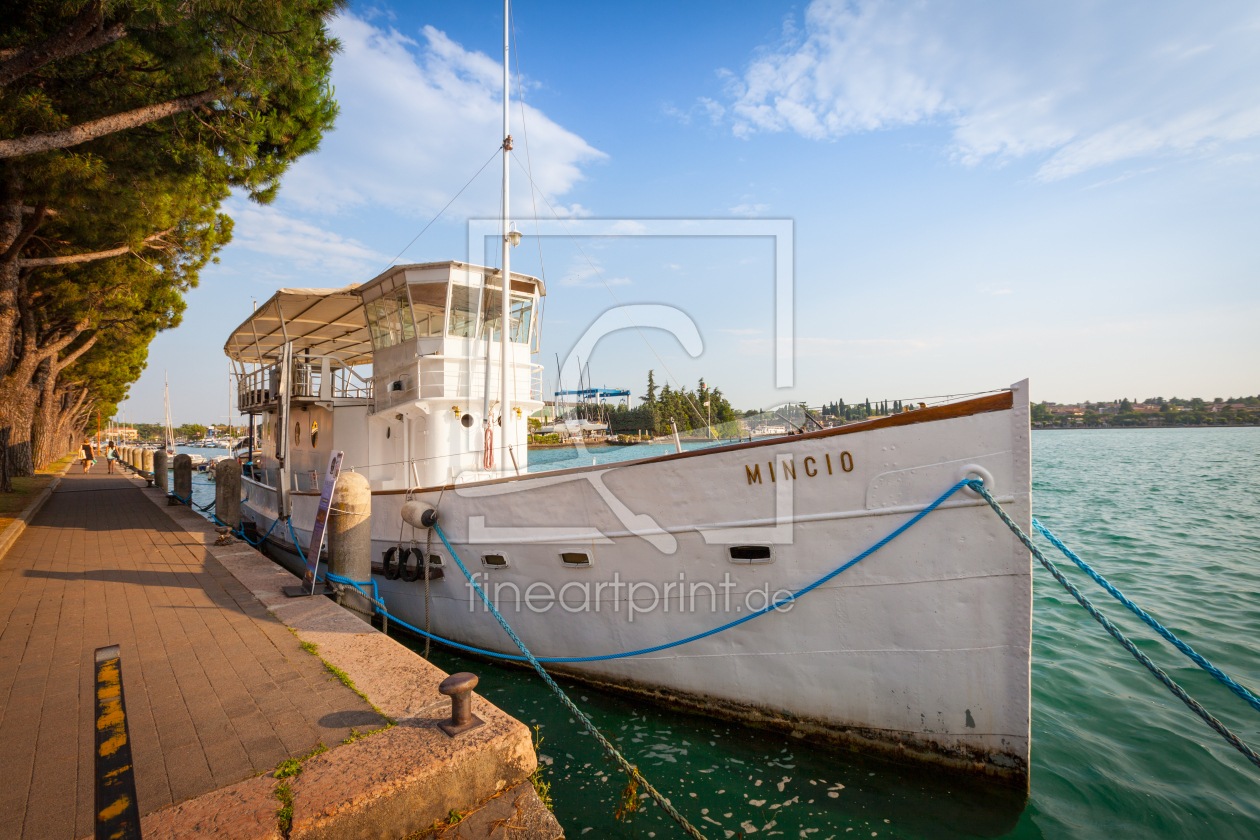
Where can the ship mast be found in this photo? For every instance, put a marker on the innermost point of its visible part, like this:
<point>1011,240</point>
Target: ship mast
<point>166,400</point>
<point>505,405</point>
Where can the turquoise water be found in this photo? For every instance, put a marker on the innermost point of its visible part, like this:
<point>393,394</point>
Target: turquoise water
<point>541,460</point>
<point>1171,516</point>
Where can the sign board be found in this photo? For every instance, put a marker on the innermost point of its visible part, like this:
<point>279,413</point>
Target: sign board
<point>321,519</point>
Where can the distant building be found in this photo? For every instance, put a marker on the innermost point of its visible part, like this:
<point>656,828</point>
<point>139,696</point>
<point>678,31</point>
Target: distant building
<point>119,433</point>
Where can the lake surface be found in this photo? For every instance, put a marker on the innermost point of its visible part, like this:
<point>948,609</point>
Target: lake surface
<point>1171,516</point>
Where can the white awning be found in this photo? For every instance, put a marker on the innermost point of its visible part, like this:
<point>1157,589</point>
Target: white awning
<point>327,322</point>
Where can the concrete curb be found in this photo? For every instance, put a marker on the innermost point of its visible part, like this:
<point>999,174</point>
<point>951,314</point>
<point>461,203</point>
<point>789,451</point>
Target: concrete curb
<point>396,782</point>
<point>18,525</point>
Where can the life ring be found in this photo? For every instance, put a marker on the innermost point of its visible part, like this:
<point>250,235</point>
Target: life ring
<point>392,569</point>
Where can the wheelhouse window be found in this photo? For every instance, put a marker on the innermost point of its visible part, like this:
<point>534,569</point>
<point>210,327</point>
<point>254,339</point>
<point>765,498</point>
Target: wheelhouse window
<point>390,320</point>
<point>428,305</point>
<point>520,308</point>
<point>463,318</point>
<point>522,312</point>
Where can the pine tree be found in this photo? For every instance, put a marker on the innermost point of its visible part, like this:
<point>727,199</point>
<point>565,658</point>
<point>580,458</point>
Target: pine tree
<point>650,397</point>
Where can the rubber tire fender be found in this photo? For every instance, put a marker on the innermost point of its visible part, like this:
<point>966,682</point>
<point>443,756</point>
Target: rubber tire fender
<point>392,569</point>
<point>412,577</point>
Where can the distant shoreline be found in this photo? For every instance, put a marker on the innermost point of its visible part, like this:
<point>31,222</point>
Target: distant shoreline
<point>1133,428</point>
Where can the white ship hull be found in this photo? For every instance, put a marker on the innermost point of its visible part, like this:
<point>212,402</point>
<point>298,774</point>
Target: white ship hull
<point>920,650</point>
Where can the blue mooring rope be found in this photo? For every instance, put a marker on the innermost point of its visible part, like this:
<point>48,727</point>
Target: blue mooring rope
<point>1168,682</point>
<point>1224,678</point>
<point>626,766</point>
<point>768,608</point>
<point>973,484</point>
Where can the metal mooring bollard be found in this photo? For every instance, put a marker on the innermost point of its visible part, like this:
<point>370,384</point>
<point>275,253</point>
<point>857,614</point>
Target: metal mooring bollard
<point>459,688</point>
<point>117,814</point>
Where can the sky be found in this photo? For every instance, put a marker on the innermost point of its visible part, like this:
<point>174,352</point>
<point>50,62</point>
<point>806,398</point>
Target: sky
<point>978,193</point>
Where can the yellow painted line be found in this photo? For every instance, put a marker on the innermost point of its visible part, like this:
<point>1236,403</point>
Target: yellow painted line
<point>117,814</point>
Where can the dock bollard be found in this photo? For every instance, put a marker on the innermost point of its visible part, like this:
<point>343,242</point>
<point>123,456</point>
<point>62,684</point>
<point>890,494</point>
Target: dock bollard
<point>227,492</point>
<point>459,688</point>
<point>159,471</point>
<point>350,537</point>
<point>183,478</point>
<point>146,465</point>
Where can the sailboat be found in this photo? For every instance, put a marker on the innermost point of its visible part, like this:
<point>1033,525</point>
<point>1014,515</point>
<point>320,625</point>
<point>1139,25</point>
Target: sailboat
<point>168,431</point>
<point>423,376</point>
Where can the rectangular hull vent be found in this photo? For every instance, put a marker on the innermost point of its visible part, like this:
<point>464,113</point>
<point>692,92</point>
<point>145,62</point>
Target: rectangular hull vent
<point>751,554</point>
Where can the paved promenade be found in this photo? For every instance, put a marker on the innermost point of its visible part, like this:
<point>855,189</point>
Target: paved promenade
<point>217,690</point>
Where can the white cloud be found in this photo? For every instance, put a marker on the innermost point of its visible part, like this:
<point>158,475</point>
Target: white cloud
<point>269,231</point>
<point>417,120</point>
<point>1079,84</point>
<point>748,209</point>
<point>586,274</point>
<point>704,106</point>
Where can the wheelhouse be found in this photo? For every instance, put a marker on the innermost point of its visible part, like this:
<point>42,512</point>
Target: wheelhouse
<point>394,372</point>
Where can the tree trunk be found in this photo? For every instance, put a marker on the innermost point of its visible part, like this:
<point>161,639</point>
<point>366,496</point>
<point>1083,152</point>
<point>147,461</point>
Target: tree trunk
<point>83,34</point>
<point>17,411</point>
<point>34,143</point>
<point>10,271</point>
<point>44,428</point>
<point>60,408</point>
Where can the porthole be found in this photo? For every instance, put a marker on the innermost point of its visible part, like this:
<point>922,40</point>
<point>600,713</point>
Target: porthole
<point>467,421</point>
<point>494,561</point>
<point>751,554</point>
<point>575,559</point>
<point>314,433</point>
<point>297,432</point>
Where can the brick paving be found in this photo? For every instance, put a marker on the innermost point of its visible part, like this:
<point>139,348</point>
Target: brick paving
<point>217,690</point>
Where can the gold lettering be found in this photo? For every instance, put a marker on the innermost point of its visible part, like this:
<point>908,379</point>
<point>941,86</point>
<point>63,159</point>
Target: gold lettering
<point>771,464</point>
<point>788,465</point>
<point>808,471</point>
<point>828,463</point>
<point>847,467</point>
<point>754,474</point>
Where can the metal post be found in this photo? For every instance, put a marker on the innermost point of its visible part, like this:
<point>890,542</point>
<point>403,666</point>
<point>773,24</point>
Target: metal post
<point>282,431</point>
<point>505,405</point>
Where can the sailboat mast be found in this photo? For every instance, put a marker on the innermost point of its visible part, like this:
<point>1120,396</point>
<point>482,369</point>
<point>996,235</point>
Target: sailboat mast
<point>505,405</point>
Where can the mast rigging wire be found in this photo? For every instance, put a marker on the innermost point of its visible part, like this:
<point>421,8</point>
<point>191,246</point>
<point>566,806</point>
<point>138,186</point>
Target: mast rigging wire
<point>681,388</point>
<point>447,207</point>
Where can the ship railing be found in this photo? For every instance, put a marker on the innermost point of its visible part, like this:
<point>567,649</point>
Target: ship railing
<point>322,378</point>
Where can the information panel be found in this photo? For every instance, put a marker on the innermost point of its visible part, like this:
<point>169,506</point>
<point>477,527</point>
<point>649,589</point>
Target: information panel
<point>321,519</point>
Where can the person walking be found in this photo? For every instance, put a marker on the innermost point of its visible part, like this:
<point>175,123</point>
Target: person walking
<point>89,455</point>
<point>111,455</point>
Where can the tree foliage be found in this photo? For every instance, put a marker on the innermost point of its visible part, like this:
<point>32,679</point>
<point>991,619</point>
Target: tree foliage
<point>123,126</point>
<point>684,407</point>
